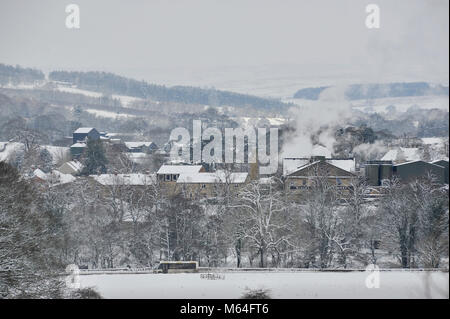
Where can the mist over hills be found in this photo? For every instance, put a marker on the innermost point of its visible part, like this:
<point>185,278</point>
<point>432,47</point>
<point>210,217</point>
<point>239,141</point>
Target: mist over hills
<point>116,103</point>
<point>376,91</point>
<point>109,83</point>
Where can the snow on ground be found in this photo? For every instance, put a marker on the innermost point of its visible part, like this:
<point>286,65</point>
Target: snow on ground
<point>402,103</point>
<point>296,285</point>
<point>9,148</point>
<point>109,114</point>
<point>57,152</point>
<point>73,90</point>
<point>435,141</point>
<point>126,100</point>
<point>23,86</point>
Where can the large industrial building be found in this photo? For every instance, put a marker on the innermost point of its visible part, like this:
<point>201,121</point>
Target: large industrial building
<point>378,171</point>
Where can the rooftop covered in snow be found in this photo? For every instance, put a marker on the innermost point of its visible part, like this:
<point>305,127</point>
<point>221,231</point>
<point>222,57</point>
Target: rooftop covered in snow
<point>125,179</point>
<point>55,177</point>
<point>292,164</point>
<point>219,177</point>
<point>402,154</point>
<point>83,130</point>
<point>179,169</point>
<point>76,145</point>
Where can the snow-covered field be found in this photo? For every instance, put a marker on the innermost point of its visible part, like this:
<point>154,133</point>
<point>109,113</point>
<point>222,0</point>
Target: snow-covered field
<point>108,114</point>
<point>7,149</point>
<point>291,285</point>
<point>401,104</point>
<point>79,91</point>
<point>124,99</point>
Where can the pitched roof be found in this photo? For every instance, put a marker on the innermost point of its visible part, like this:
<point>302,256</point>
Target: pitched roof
<point>62,178</point>
<point>75,165</point>
<point>40,174</point>
<point>418,161</point>
<point>83,130</point>
<point>291,165</point>
<point>219,177</point>
<point>138,144</point>
<point>345,164</point>
<point>179,169</point>
<point>55,177</point>
<point>337,171</point>
<point>79,145</point>
<point>440,161</point>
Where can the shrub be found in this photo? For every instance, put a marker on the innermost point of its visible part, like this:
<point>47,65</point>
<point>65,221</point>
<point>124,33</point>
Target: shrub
<point>260,293</point>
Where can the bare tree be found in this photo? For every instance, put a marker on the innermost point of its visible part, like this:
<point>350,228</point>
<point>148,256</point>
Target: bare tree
<point>432,203</point>
<point>399,222</point>
<point>264,216</point>
<point>321,221</point>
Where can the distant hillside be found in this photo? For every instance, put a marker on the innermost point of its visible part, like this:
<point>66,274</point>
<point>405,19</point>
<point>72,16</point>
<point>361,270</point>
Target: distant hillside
<point>376,91</point>
<point>18,75</point>
<point>109,83</point>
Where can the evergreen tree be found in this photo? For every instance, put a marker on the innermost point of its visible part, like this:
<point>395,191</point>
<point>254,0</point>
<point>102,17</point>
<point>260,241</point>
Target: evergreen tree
<point>29,265</point>
<point>94,158</point>
<point>46,160</point>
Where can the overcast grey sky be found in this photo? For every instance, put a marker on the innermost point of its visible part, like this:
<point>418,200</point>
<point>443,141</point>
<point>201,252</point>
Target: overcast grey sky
<point>134,37</point>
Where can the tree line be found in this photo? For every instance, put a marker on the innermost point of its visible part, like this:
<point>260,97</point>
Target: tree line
<point>45,227</point>
<point>17,75</point>
<point>110,83</point>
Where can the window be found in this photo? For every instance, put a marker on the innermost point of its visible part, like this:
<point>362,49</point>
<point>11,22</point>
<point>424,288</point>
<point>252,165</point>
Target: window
<point>167,177</point>
<point>174,177</point>
<point>203,185</point>
<point>304,182</point>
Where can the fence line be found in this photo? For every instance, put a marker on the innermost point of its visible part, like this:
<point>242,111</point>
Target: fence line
<point>149,270</point>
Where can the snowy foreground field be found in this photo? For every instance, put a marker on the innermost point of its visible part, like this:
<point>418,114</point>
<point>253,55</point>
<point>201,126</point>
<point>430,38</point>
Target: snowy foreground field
<point>293,285</point>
